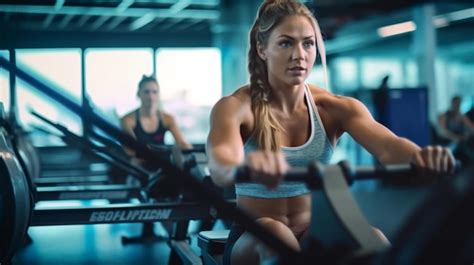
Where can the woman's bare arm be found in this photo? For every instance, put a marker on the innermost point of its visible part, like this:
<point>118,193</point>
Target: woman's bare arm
<point>176,132</point>
<point>224,143</point>
<point>387,147</point>
<point>445,131</point>
<point>127,125</point>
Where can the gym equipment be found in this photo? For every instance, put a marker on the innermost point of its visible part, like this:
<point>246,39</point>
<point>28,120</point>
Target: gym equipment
<point>28,157</point>
<point>147,182</point>
<point>111,153</point>
<point>180,247</point>
<point>17,213</point>
<point>342,235</point>
<point>441,231</point>
<point>15,203</point>
<point>340,222</point>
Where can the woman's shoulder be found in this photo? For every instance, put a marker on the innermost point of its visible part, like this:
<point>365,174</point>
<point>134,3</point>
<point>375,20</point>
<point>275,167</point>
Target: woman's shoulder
<point>235,106</point>
<point>332,102</point>
<point>165,115</point>
<point>322,96</point>
<point>239,99</point>
<point>242,94</point>
<point>167,118</point>
<point>129,118</point>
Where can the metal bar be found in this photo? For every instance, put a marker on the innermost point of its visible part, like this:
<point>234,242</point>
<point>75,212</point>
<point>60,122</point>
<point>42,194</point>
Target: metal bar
<point>48,20</point>
<point>142,21</point>
<point>13,94</point>
<point>108,192</point>
<point>114,23</point>
<point>185,252</point>
<point>65,22</point>
<point>180,5</point>
<point>99,22</point>
<point>124,5</point>
<point>59,4</point>
<point>73,173</point>
<point>57,180</point>
<point>84,101</point>
<point>111,11</point>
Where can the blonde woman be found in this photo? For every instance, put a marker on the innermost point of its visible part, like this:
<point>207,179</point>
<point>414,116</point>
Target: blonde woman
<point>279,121</point>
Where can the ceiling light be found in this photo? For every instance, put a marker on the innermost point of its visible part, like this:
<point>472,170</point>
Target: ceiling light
<point>440,21</point>
<point>396,29</point>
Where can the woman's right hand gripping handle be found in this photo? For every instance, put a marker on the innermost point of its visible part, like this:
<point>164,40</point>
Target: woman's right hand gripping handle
<point>267,167</point>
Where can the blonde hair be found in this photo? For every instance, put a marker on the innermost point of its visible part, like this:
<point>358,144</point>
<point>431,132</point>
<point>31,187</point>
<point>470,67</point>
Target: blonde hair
<point>271,14</point>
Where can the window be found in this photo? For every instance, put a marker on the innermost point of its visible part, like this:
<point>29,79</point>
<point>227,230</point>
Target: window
<point>345,72</point>
<point>4,84</point>
<point>61,70</point>
<point>190,82</point>
<point>316,76</point>
<point>112,77</point>
<point>373,71</point>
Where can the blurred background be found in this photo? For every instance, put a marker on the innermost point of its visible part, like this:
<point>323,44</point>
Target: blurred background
<point>97,50</point>
<point>404,59</point>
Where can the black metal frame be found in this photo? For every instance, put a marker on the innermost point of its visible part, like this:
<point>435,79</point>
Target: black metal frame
<point>93,180</point>
<point>108,192</point>
<point>126,213</point>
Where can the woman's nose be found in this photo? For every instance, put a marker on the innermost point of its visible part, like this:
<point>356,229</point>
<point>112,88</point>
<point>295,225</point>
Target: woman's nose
<point>298,52</point>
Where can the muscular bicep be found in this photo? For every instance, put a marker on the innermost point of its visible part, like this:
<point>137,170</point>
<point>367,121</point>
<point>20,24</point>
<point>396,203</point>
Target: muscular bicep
<point>127,126</point>
<point>373,136</point>
<point>224,142</point>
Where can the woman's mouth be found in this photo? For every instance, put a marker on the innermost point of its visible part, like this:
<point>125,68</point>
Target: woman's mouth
<point>297,70</point>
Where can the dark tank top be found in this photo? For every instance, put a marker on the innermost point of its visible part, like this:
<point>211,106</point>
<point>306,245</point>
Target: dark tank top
<point>455,123</point>
<point>154,138</point>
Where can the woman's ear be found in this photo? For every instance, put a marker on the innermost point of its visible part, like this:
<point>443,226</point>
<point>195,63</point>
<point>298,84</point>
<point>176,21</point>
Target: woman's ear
<point>261,51</point>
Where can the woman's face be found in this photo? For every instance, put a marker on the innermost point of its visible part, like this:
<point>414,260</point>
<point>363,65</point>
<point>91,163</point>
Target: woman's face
<point>148,94</point>
<point>290,52</point>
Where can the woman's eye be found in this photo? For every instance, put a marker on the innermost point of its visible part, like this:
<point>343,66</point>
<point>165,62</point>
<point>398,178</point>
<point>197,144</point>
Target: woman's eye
<point>285,44</point>
<point>309,44</point>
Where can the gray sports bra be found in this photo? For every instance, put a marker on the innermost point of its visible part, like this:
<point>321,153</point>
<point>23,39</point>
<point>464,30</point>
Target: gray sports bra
<point>317,147</point>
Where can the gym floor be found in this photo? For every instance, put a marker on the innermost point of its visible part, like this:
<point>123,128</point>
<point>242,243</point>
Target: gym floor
<point>101,244</point>
<point>93,244</point>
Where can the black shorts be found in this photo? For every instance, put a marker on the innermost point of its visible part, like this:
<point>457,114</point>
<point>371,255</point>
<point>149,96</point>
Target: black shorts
<point>235,232</point>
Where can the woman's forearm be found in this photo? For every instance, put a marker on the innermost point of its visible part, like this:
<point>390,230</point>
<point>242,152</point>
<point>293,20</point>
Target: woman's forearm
<point>398,150</point>
<point>222,162</point>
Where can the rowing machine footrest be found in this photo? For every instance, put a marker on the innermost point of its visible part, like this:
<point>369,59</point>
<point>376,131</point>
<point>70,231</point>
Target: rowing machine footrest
<point>213,242</point>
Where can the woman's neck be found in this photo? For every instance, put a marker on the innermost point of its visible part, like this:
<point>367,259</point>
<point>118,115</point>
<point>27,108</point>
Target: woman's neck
<point>287,99</point>
<point>147,112</point>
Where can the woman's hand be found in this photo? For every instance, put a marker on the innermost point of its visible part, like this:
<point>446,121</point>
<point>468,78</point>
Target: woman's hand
<point>267,167</point>
<point>436,159</point>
